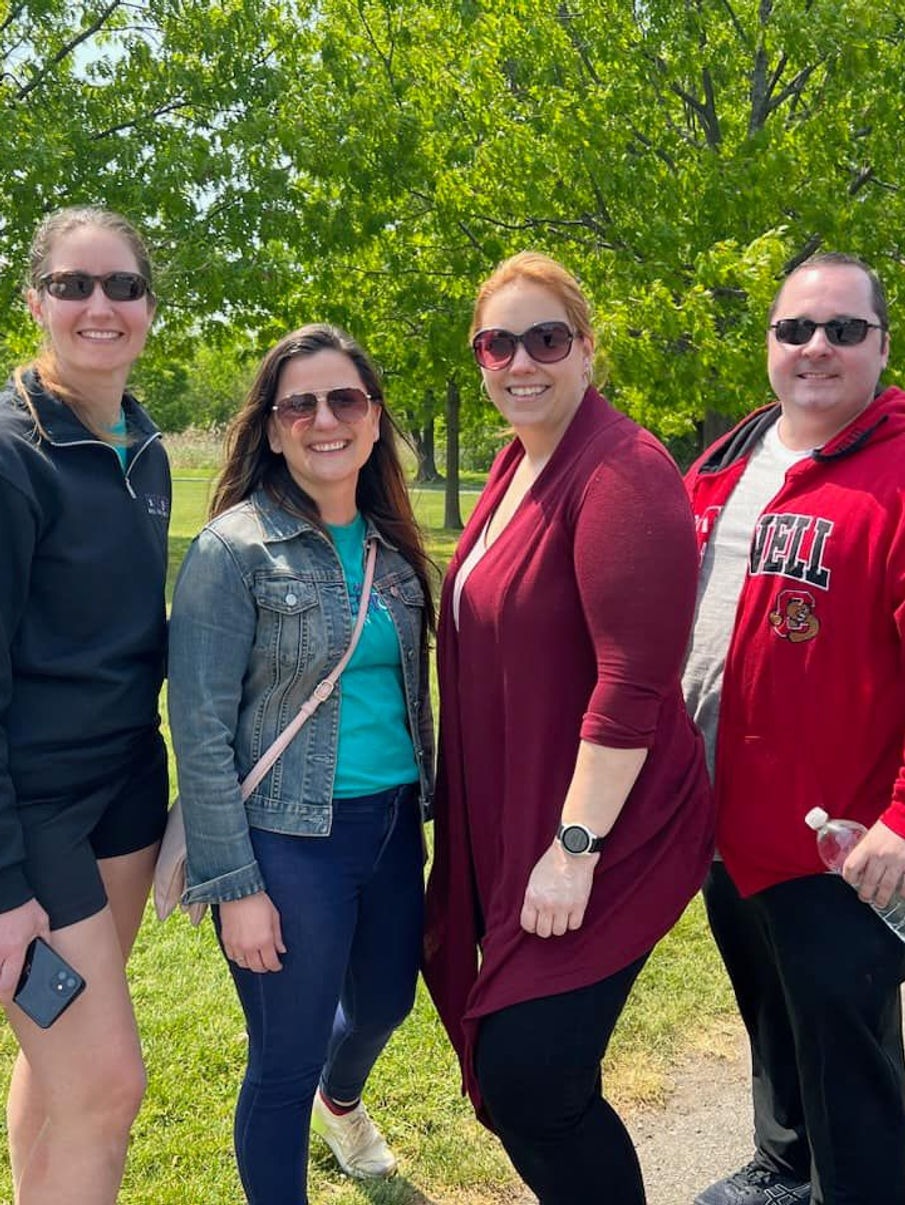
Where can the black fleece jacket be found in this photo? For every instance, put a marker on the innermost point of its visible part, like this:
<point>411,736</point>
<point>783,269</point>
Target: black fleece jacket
<point>83,558</point>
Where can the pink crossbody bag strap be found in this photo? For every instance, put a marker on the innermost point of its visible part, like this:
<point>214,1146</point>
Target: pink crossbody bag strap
<point>322,691</point>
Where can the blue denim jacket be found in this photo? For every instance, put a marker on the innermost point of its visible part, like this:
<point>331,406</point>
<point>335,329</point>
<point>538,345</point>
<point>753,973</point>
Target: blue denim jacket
<point>260,615</point>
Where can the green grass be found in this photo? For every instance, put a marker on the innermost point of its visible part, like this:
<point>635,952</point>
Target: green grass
<point>195,1046</point>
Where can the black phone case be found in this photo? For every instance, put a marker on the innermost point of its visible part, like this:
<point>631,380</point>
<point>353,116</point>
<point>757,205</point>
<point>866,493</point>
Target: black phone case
<point>48,984</point>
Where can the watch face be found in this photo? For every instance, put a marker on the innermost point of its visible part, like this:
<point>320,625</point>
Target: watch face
<point>575,839</point>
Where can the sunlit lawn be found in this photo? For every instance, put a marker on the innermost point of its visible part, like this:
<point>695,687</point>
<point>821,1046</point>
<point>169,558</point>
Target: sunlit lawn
<point>194,1042</point>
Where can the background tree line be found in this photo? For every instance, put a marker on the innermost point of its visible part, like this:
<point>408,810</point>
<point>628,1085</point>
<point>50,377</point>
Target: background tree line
<point>368,161</point>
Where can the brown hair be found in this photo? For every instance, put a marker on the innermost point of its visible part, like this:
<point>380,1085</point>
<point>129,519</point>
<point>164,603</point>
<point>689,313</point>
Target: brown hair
<point>841,259</point>
<point>541,270</point>
<point>381,493</point>
<point>54,227</point>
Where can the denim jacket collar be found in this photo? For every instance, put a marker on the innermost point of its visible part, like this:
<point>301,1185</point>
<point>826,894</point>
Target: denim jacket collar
<point>279,524</point>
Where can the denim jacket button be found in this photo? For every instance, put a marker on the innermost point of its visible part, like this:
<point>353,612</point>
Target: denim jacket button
<point>291,600</point>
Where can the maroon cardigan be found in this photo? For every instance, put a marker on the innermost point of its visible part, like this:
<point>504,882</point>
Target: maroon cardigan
<point>573,626</point>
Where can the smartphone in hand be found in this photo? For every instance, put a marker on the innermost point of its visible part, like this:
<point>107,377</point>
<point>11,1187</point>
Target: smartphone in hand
<point>48,984</point>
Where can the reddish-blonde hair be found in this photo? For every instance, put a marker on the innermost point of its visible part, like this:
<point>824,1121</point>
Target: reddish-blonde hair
<point>541,270</point>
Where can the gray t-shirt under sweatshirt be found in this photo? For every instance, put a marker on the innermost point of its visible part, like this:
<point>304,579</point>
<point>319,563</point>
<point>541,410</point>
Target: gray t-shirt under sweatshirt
<point>722,577</point>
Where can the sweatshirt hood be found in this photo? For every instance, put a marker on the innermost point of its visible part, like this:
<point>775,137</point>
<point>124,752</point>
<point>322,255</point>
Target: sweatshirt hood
<point>883,419</point>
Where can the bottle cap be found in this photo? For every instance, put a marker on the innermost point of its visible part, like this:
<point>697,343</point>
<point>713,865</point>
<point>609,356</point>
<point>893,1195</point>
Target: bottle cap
<point>816,818</point>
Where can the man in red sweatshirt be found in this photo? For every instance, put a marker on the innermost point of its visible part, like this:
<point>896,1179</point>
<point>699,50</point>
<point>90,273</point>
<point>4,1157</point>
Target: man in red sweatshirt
<point>796,676</point>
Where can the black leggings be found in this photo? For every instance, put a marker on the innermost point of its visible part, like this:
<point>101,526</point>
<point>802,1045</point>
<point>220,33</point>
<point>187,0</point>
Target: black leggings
<point>538,1067</point>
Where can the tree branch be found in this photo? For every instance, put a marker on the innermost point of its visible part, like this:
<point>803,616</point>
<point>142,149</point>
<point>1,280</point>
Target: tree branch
<point>14,14</point>
<point>472,238</point>
<point>795,87</point>
<point>862,178</point>
<point>705,109</point>
<point>800,256</point>
<point>386,59</point>
<point>134,122</point>
<point>646,142</point>
<point>714,135</point>
<point>736,24</point>
<point>67,49</point>
<point>565,19</point>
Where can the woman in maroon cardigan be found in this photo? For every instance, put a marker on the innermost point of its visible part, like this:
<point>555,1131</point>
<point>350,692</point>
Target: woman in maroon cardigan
<point>574,817</point>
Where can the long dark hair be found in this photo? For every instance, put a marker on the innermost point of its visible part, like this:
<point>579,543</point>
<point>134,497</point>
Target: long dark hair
<point>381,493</point>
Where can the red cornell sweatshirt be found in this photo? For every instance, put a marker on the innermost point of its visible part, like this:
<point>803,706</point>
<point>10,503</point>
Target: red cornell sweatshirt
<point>812,710</point>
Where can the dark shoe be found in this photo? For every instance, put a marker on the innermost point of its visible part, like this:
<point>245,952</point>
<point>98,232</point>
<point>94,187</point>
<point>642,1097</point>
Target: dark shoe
<point>755,1185</point>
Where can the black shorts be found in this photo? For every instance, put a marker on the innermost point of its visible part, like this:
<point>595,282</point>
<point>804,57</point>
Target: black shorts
<point>67,834</point>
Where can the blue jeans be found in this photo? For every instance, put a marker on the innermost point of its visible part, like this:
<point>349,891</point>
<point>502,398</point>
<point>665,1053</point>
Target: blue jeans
<point>351,913</point>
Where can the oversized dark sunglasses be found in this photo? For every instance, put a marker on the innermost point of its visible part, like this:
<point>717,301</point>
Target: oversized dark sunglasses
<point>348,405</point>
<point>841,332</point>
<point>78,286</point>
<point>546,342</point>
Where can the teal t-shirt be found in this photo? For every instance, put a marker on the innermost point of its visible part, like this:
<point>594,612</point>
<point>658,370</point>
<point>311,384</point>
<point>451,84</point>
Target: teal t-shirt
<point>118,430</point>
<point>375,747</point>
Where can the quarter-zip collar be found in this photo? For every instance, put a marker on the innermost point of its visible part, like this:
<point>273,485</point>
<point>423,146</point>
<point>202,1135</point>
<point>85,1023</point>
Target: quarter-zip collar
<point>63,428</point>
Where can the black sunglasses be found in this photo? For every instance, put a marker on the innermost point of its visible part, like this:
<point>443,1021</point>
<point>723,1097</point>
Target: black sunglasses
<point>841,332</point>
<point>347,405</point>
<point>546,342</point>
<point>78,286</point>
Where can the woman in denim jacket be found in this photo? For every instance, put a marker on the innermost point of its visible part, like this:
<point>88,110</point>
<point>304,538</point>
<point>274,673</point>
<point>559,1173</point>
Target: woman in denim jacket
<point>317,878</point>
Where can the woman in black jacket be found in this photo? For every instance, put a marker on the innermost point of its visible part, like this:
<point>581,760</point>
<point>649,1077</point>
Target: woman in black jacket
<point>84,508</point>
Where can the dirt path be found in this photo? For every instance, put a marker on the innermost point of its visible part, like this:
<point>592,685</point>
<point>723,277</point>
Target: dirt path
<point>705,1129</point>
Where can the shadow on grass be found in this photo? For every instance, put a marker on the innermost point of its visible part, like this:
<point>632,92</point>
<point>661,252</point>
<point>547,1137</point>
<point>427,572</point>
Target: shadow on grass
<point>396,1191</point>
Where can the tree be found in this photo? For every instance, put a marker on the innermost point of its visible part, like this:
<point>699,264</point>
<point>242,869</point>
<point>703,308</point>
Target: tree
<point>369,161</point>
<point>160,110</point>
<point>204,391</point>
<point>676,156</point>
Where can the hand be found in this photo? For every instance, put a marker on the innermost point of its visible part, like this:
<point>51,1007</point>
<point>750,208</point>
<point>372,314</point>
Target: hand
<point>250,932</point>
<point>18,927</point>
<point>557,892</point>
<point>876,865</point>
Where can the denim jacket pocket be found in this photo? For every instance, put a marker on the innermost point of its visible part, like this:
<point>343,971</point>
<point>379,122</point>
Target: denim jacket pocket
<point>410,591</point>
<point>291,624</point>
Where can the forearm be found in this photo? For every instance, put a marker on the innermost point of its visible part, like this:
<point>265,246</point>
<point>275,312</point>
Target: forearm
<point>560,884</point>
<point>601,783</point>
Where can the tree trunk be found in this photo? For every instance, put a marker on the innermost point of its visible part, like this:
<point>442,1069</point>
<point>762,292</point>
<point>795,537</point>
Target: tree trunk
<point>452,516</point>
<point>715,424</point>
<point>423,439</point>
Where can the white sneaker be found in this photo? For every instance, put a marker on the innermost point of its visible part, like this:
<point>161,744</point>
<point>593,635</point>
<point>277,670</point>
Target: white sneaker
<point>353,1138</point>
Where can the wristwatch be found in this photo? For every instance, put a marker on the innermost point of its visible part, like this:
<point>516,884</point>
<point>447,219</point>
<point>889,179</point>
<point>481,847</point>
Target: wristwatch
<point>577,839</point>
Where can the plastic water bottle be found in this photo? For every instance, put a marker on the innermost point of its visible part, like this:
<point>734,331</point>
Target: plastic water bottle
<point>835,841</point>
